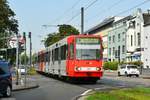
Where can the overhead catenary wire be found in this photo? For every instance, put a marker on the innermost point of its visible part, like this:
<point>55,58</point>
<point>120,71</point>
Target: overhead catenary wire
<point>77,14</point>
<point>91,4</point>
<point>140,4</point>
<point>67,11</point>
<point>105,10</point>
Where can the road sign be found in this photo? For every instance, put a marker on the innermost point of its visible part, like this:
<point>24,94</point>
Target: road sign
<point>12,42</point>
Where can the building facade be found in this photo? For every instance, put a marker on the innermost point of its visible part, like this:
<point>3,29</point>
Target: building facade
<point>146,43</point>
<point>102,29</point>
<point>125,38</point>
<point>117,40</point>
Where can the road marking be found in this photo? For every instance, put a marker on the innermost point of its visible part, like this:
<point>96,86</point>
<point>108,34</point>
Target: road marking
<point>87,91</point>
<point>8,99</point>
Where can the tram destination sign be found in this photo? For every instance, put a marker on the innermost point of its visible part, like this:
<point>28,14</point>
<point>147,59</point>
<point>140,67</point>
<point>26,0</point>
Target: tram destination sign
<point>88,40</point>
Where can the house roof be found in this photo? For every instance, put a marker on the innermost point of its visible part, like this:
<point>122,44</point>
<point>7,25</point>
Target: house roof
<point>105,22</point>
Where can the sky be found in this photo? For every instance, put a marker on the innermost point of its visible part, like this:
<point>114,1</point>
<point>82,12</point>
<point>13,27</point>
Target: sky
<point>33,14</point>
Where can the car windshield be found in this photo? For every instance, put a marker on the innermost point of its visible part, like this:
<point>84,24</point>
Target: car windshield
<point>22,67</point>
<point>1,71</point>
<point>131,66</point>
<point>4,68</point>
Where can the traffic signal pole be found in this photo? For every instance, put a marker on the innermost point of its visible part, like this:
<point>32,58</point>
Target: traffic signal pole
<point>30,49</point>
<point>25,61</point>
<point>17,60</point>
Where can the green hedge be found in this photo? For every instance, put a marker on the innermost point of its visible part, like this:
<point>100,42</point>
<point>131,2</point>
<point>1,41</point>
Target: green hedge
<point>31,71</point>
<point>111,65</point>
<point>114,65</point>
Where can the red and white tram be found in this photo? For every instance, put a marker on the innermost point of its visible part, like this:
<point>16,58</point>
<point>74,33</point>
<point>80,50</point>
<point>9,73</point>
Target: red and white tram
<point>74,57</point>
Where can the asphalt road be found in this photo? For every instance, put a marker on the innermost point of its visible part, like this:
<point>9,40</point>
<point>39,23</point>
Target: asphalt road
<point>51,89</point>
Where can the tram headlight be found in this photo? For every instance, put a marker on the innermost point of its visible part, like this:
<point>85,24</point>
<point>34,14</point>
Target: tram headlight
<point>77,68</point>
<point>97,68</point>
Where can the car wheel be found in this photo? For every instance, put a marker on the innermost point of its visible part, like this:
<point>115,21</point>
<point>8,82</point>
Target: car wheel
<point>126,74</point>
<point>119,74</point>
<point>137,75</point>
<point>7,92</point>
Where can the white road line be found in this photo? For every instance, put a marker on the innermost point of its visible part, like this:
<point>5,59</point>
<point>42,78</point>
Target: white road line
<point>84,93</point>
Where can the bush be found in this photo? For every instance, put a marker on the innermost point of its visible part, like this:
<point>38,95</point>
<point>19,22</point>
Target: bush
<point>114,65</point>
<point>31,71</point>
<point>111,65</point>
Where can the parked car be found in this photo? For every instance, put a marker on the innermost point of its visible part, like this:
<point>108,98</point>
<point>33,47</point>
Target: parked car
<point>5,79</point>
<point>22,69</point>
<point>128,70</point>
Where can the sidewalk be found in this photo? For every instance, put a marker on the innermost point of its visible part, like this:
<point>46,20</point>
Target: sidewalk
<point>114,74</point>
<point>30,83</point>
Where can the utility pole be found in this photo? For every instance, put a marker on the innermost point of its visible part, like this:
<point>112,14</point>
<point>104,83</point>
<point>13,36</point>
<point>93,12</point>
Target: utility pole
<point>17,60</point>
<point>82,20</point>
<point>30,49</point>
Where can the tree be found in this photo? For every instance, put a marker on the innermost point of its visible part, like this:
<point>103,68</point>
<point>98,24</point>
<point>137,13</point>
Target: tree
<point>24,58</point>
<point>64,30</point>
<point>8,24</point>
<point>51,38</point>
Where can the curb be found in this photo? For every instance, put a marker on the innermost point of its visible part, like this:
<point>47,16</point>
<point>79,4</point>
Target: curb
<point>26,88</point>
<point>146,77</point>
<point>87,92</point>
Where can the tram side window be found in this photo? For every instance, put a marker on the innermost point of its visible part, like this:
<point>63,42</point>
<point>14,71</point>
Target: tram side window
<point>49,55</point>
<point>46,57</point>
<point>71,51</point>
<point>38,58</point>
<point>56,54</point>
<point>53,56</point>
<point>63,52</point>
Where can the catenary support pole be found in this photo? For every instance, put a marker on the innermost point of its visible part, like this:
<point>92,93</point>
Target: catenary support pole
<point>82,20</point>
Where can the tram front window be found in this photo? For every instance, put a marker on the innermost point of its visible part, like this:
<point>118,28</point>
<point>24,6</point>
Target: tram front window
<point>88,48</point>
<point>88,54</point>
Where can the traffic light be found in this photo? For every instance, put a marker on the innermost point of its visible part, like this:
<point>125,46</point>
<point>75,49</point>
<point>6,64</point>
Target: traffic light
<point>24,36</point>
<point>29,34</point>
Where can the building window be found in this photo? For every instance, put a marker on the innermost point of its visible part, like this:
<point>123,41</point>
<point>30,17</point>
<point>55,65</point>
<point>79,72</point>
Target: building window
<point>113,50</point>
<point>109,39</point>
<point>113,38</point>
<point>146,37</point>
<point>109,51</point>
<point>123,36</point>
<point>119,53</point>
<point>124,23</point>
<point>123,49</point>
<point>131,40</point>
<point>139,40</point>
<point>135,38</point>
<point>116,53</point>
<point>118,37</point>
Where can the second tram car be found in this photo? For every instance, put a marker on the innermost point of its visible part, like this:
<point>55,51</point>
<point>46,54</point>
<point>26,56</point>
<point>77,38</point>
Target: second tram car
<point>74,57</point>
